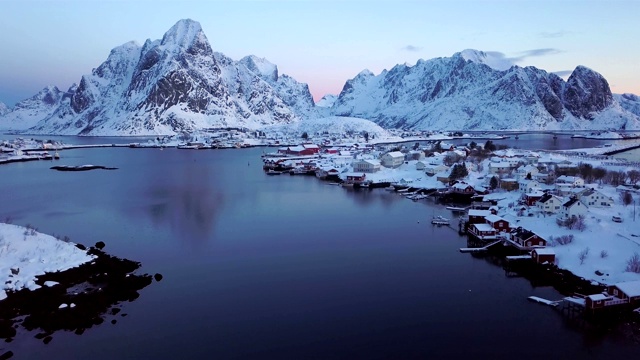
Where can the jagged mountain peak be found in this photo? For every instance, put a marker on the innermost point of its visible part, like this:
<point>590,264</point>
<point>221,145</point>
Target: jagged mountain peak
<point>169,86</point>
<point>492,59</point>
<point>482,90</point>
<point>261,67</point>
<point>186,35</point>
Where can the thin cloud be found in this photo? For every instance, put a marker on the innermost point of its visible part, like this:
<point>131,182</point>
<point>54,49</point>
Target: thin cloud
<point>562,73</point>
<point>533,53</point>
<point>412,48</point>
<point>553,35</point>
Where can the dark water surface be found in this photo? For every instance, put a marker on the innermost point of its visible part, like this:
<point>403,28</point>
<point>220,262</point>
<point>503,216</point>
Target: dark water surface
<point>260,266</point>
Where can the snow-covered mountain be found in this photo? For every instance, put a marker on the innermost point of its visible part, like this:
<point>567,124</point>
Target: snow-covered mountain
<point>629,102</point>
<point>474,90</point>
<point>167,86</point>
<point>178,83</point>
<point>28,112</point>
<point>327,101</point>
<point>3,108</point>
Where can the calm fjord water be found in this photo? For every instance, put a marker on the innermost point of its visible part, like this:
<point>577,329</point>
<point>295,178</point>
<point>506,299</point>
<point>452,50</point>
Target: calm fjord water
<point>260,266</point>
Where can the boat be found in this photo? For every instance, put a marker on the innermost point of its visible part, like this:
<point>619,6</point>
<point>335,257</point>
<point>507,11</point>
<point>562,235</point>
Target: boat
<point>439,220</point>
<point>273,172</point>
<point>56,155</point>
<point>456,209</point>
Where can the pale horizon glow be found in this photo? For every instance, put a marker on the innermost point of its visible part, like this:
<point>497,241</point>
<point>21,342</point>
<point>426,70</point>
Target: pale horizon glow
<point>322,43</point>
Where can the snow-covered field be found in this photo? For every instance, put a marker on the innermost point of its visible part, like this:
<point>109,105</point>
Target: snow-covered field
<point>26,254</point>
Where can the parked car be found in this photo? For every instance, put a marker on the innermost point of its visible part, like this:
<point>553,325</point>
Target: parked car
<point>617,219</point>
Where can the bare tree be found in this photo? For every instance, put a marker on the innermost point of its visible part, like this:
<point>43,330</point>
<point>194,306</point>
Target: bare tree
<point>599,174</point>
<point>633,264</point>
<point>583,255</point>
<point>633,176</point>
<point>626,198</point>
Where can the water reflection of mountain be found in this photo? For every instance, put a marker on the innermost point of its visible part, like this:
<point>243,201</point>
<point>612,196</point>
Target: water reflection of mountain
<point>186,200</point>
<point>84,297</point>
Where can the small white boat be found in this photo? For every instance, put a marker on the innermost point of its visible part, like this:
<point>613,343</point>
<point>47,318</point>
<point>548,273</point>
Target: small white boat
<point>439,220</point>
<point>273,172</point>
<point>56,155</point>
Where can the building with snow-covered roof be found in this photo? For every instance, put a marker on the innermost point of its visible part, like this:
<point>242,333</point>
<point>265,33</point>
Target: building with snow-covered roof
<point>433,169</point>
<point>478,216</point>
<point>392,159</point>
<point>528,186</point>
<point>366,166</point>
<point>483,231</point>
<point>499,168</point>
<point>497,223</point>
<point>532,198</point>
<point>543,255</point>
<point>549,203</point>
<point>628,290</point>
<point>522,171</point>
<point>527,238</point>
<point>595,198</point>
<point>572,208</point>
<point>574,181</point>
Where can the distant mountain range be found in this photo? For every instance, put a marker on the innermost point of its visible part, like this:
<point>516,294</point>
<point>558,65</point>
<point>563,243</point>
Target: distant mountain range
<point>179,84</point>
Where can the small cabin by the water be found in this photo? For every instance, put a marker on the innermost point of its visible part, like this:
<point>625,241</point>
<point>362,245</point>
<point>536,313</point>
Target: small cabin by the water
<point>497,223</point>
<point>543,255</point>
<point>527,238</point>
<point>478,216</point>
<point>628,290</point>
<point>483,231</point>
<point>355,178</point>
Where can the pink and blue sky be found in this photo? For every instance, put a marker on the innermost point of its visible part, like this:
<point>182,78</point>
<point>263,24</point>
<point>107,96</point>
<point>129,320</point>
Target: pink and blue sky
<point>322,43</point>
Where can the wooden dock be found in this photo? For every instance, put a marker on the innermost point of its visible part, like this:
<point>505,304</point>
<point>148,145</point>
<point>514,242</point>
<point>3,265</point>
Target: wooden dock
<point>544,301</point>
<point>484,248</point>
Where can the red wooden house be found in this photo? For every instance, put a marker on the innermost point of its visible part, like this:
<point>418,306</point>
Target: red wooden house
<point>478,216</point>
<point>527,238</point>
<point>498,223</point>
<point>628,290</point>
<point>543,255</point>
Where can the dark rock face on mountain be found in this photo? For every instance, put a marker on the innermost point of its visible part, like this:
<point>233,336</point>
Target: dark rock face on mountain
<point>468,91</point>
<point>173,85</point>
<point>586,92</point>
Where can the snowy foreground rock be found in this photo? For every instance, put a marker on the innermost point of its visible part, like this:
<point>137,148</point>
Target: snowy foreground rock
<point>26,254</point>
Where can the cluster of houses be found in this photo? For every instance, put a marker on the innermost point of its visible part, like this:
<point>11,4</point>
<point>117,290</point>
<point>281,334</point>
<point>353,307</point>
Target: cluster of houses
<point>486,225</point>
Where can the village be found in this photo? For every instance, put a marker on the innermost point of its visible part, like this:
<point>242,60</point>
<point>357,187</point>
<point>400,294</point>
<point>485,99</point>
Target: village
<point>572,210</point>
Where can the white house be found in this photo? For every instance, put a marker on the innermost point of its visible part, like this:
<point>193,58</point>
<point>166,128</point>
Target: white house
<point>499,168</point>
<point>565,185</point>
<point>592,197</point>
<point>432,169</point>
<point>571,208</point>
<point>574,181</point>
<point>415,155</point>
<point>392,159</point>
<point>366,166</point>
<point>528,186</point>
<point>549,204</point>
<point>522,171</point>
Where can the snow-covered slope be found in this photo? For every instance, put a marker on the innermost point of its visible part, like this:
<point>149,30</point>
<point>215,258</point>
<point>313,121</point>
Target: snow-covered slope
<point>28,112</point>
<point>173,85</point>
<point>26,254</point>
<point>475,91</point>
<point>3,108</point>
<point>331,125</point>
<point>327,101</point>
<point>629,102</point>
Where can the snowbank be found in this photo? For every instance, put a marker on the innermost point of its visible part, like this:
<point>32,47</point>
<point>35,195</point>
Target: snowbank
<point>26,253</point>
